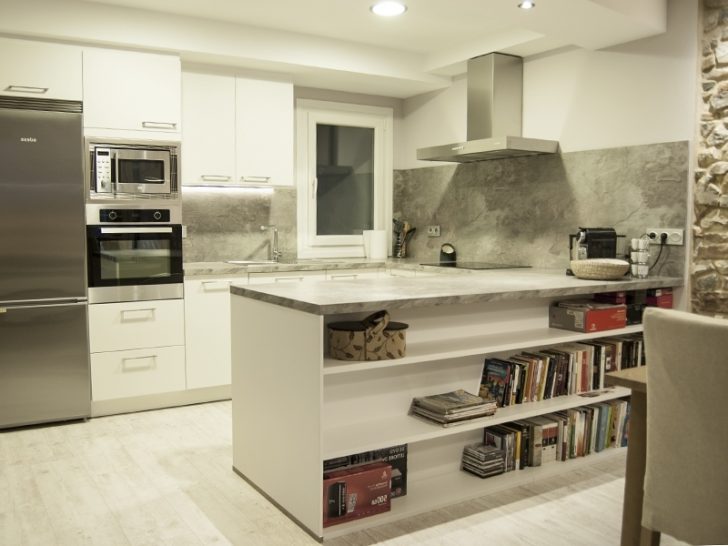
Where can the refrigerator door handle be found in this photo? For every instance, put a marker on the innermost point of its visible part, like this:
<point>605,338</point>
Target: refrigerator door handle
<point>41,306</point>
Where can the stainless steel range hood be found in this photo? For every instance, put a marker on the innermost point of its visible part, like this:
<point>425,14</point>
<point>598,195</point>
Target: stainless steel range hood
<point>495,101</point>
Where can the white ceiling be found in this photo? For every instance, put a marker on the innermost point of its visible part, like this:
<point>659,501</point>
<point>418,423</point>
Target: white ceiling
<point>339,43</point>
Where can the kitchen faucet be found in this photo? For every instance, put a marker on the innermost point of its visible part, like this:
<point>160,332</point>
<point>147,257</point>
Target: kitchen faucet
<point>275,253</point>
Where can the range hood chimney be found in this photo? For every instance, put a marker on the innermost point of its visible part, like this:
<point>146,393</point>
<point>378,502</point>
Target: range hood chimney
<point>495,102</point>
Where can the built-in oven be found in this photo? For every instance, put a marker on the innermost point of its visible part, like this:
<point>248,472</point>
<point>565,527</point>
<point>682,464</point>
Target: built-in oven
<point>130,169</point>
<point>134,254</point>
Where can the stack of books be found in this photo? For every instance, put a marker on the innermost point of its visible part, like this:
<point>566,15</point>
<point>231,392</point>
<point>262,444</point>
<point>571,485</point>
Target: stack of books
<point>483,460</point>
<point>452,408</point>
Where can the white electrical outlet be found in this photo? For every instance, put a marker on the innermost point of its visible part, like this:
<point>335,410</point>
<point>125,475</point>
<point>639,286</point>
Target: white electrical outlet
<point>674,236</point>
<point>433,231</point>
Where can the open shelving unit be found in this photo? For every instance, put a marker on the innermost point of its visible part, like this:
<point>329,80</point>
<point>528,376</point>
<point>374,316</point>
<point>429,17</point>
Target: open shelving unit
<point>428,351</point>
<point>291,402</point>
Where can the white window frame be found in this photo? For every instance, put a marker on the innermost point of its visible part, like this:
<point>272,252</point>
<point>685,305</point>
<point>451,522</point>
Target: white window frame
<point>309,113</point>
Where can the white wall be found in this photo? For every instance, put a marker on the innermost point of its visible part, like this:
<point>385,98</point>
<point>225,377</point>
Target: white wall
<point>638,93</point>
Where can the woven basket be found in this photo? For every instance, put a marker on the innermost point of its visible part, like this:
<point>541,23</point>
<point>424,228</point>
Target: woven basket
<point>600,269</point>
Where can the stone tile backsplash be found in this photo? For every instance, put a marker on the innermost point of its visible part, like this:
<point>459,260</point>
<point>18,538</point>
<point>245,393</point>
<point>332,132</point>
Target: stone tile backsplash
<point>518,210</point>
<point>522,210</point>
<point>225,224</point>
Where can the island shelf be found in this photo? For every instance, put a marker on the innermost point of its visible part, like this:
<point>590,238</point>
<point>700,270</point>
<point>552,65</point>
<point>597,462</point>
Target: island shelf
<point>294,408</point>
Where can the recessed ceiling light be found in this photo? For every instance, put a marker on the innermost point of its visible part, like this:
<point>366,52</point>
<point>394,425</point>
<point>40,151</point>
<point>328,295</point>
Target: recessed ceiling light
<point>527,4</point>
<point>388,8</point>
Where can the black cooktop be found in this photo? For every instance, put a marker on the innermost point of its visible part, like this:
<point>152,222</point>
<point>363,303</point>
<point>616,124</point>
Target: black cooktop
<point>475,265</point>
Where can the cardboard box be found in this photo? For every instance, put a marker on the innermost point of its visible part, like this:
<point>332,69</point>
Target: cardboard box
<point>587,316</point>
<point>356,492</point>
<point>396,456</point>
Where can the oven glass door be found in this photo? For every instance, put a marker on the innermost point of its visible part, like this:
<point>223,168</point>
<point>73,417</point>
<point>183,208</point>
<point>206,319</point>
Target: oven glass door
<point>134,255</point>
<point>142,171</point>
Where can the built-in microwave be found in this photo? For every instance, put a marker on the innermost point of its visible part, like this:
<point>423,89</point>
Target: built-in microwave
<point>124,169</point>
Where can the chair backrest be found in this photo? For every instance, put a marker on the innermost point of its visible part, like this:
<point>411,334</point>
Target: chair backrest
<point>686,476</point>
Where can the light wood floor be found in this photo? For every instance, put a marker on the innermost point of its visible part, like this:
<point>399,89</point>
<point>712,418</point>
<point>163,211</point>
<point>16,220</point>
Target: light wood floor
<point>164,477</point>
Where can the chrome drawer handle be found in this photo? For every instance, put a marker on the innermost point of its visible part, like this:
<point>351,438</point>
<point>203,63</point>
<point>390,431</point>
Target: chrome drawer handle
<point>151,358</point>
<point>288,279</point>
<point>215,177</point>
<point>26,89</point>
<point>258,179</point>
<point>159,125</point>
<point>349,276</point>
<point>150,315</point>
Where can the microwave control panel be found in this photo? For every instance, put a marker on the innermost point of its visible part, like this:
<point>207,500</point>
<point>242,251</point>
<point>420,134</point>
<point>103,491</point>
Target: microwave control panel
<point>103,170</point>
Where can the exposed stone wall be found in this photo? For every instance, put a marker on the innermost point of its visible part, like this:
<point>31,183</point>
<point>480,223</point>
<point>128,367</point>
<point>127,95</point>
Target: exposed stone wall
<point>710,243</point>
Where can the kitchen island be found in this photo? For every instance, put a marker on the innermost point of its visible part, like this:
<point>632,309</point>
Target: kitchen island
<point>293,407</point>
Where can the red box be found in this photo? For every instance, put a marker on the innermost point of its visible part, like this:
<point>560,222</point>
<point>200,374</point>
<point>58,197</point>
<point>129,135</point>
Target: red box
<point>356,492</point>
<point>660,297</point>
<point>587,316</point>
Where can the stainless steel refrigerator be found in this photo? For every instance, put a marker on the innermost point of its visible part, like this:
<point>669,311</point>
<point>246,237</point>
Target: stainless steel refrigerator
<point>44,354</point>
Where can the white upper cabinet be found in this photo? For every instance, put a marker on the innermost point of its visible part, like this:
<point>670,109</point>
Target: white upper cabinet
<point>264,128</point>
<point>208,117</point>
<point>237,131</point>
<point>42,70</point>
<point>132,91</point>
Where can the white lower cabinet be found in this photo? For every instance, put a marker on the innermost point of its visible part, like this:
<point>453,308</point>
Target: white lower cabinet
<point>137,372</point>
<point>137,348</point>
<point>207,331</point>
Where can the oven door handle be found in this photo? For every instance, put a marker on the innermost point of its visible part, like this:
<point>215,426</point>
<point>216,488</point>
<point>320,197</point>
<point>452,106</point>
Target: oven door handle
<point>124,230</point>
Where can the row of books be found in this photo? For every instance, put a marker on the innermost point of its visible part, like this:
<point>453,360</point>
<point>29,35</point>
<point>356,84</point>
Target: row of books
<point>452,408</point>
<point>559,370</point>
<point>557,436</point>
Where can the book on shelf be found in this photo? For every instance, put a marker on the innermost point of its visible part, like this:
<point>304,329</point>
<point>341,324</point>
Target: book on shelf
<point>452,408</point>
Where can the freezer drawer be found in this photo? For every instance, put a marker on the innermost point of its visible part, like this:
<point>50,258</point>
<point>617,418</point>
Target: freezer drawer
<point>44,364</point>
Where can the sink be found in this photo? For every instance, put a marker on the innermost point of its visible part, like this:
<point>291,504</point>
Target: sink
<point>250,262</point>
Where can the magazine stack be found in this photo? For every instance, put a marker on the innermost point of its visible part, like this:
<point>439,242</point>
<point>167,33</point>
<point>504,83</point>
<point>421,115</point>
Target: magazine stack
<point>483,460</point>
<point>453,408</point>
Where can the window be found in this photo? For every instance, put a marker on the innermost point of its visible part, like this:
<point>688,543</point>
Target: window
<point>344,176</point>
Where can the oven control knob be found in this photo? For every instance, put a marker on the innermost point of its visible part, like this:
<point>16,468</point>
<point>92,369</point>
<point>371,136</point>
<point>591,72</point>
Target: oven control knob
<point>113,215</point>
<point>157,215</point>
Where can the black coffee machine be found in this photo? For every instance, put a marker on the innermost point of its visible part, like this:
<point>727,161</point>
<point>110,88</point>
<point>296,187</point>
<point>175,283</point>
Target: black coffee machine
<point>592,243</point>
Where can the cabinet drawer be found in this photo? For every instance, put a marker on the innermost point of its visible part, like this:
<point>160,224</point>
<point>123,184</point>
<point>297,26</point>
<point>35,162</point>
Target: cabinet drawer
<point>286,276</point>
<point>121,374</point>
<point>135,325</point>
<point>351,274</point>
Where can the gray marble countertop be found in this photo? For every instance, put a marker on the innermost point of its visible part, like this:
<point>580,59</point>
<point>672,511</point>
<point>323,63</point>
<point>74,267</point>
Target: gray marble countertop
<point>204,269</point>
<point>361,295</point>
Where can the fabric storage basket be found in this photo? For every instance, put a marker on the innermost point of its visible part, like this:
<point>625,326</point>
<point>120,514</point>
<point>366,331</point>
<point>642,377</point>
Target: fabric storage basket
<point>374,338</point>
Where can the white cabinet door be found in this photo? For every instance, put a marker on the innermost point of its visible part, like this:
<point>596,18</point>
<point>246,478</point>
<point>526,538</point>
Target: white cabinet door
<point>207,327</point>
<point>264,127</point>
<point>131,91</point>
<point>138,372</point>
<point>208,118</point>
<point>135,325</point>
<point>36,69</point>
<point>286,276</point>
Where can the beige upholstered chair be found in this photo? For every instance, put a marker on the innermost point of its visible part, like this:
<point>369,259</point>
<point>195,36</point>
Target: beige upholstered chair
<point>686,477</point>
